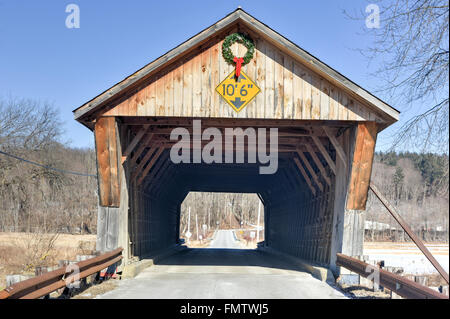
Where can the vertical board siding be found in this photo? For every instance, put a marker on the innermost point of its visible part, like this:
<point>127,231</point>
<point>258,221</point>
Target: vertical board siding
<point>289,90</point>
<point>297,92</point>
<point>216,51</point>
<point>187,89</point>
<point>178,90</point>
<point>223,72</point>
<point>334,101</point>
<point>270,83</point>
<point>160,106</point>
<point>250,109</point>
<point>324,100</point>
<point>288,87</point>
<point>307,83</point>
<point>197,85</point>
<point>240,53</point>
<point>278,112</point>
<point>315,97</point>
<point>206,87</point>
<point>260,60</point>
<point>366,135</point>
<point>168,94</point>
<point>107,161</point>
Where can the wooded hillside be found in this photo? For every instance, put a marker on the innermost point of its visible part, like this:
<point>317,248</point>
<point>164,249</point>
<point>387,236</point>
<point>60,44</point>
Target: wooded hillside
<point>418,185</point>
<point>35,198</point>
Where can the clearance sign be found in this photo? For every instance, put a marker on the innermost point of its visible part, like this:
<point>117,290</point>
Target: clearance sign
<point>238,91</point>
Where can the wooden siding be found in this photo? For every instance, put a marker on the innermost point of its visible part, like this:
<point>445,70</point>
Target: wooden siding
<point>107,161</point>
<point>289,90</point>
<point>366,135</point>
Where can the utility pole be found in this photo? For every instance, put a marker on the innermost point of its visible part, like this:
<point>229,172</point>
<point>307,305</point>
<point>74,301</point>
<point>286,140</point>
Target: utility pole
<point>189,221</point>
<point>196,224</point>
<point>257,222</point>
<point>209,219</point>
<point>230,216</point>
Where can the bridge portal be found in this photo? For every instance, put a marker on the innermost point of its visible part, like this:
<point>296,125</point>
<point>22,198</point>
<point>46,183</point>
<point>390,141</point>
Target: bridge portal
<point>326,126</point>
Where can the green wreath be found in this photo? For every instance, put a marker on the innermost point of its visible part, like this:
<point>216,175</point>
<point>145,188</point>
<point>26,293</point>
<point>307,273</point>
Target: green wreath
<point>241,38</point>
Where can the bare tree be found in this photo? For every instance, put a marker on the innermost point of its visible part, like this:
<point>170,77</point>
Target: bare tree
<point>36,198</point>
<point>222,210</point>
<point>411,48</point>
<point>28,124</point>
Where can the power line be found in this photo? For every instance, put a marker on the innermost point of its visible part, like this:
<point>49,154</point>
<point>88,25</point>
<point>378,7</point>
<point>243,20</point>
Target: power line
<point>47,167</point>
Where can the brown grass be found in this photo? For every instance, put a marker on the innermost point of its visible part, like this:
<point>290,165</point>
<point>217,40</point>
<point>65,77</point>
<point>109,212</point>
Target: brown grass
<point>245,241</point>
<point>20,253</point>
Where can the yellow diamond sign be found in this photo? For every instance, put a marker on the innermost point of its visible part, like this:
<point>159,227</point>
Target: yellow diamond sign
<point>238,92</point>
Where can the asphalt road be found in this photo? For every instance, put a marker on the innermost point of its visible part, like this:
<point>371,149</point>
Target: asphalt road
<point>222,272</point>
<point>224,239</point>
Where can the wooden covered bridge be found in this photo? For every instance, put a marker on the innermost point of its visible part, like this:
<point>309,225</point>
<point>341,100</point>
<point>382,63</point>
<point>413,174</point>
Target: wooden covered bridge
<point>327,127</point>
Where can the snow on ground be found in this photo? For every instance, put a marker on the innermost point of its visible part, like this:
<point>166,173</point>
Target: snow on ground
<point>408,256</point>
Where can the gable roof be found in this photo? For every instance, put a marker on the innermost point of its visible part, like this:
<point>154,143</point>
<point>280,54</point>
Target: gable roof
<point>389,113</point>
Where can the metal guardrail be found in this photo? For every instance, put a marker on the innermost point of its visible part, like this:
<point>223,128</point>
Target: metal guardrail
<point>398,284</point>
<point>43,285</point>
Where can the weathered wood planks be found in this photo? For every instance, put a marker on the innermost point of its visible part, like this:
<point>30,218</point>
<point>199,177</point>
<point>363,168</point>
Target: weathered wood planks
<point>107,161</point>
<point>289,90</point>
<point>366,136</point>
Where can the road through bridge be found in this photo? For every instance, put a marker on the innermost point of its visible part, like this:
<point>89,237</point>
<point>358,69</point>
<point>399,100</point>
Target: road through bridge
<point>223,271</point>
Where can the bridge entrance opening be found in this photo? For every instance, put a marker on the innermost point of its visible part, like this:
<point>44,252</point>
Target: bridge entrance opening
<point>221,220</point>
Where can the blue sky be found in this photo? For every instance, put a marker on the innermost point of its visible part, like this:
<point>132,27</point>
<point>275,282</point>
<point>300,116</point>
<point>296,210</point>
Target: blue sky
<point>42,59</point>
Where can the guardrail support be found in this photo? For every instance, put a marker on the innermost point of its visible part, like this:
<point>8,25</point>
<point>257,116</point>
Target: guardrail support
<point>397,284</point>
<point>409,231</point>
<point>44,284</point>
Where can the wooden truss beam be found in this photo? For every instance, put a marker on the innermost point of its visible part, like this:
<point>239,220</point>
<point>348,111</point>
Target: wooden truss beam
<point>285,131</point>
<point>149,165</point>
<point>144,161</point>
<point>231,122</point>
<point>140,150</point>
<point>152,182</point>
<point>305,176</point>
<point>232,147</point>
<point>165,177</point>
<point>318,164</point>
<point>160,166</point>
<point>324,153</point>
<point>134,142</point>
<point>339,150</point>
<point>310,170</point>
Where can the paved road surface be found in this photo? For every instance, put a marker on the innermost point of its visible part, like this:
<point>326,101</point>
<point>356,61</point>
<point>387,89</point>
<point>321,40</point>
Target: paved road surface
<point>224,239</point>
<point>222,273</point>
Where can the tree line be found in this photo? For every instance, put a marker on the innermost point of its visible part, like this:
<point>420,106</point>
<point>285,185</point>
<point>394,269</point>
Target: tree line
<point>417,184</point>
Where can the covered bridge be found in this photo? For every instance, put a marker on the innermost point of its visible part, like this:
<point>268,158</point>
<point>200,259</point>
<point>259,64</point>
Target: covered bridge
<point>327,129</point>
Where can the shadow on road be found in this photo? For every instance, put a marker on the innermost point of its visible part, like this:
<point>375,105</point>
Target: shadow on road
<point>226,257</point>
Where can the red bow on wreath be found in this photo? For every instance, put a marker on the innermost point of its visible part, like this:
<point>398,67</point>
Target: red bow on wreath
<point>238,62</point>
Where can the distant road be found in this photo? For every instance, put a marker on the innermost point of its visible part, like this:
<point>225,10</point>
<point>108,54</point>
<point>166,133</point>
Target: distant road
<point>224,239</point>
